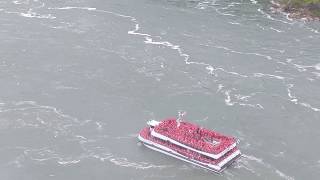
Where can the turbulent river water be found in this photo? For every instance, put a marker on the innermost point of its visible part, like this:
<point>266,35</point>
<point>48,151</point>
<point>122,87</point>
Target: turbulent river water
<point>80,78</point>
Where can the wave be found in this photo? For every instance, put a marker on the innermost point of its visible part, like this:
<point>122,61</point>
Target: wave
<point>284,176</point>
<point>245,163</point>
<point>295,100</point>
<point>124,162</point>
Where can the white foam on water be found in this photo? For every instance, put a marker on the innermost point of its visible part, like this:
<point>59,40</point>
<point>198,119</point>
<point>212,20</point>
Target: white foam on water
<point>316,31</point>
<point>317,66</point>
<point>241,100</point>
<point>35,15</point>
<point>17,162</point>
<point>212,70</point>
<point>277,30</point>
<point>57,124</point>
<point>149,39</point>
<point>186,57</point>
<point>235,23</point>
<point>129,136</point>
<point>268,16</point>
<point>228,98</point>
<point>244,53</point>
<point>29,105</point>
<point>253,1</point>
<point>256,159</point>
<point>229,174</point>
<point>46,154</point>
<point>258,106</point>
<point>74,7</point>
<point>295,100</point>
<point>99,125</point>
<point>303,68</point>
<point>309,106</point>
<point>70,162</point>
<point>261,27</point>
<point>284,176</point>
<point>224,13</point>
<point>245,164</point>
<point>269,76</point>
<point>220,86</point>
<point>101,157</point>
<point>242,97</point>
<point>316,74</point>
<point>62,87</point>
<point>124,162</point>
<point>17,2</point>
<point>31,13</point>
<point>279,154</point>
<point>92,9</point>
<point>89,147</point>
<point>291,96</point>
<point>202,5</point>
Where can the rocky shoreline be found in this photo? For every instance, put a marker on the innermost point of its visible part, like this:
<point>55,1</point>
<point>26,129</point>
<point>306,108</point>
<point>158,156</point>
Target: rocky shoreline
<point>308,10</point>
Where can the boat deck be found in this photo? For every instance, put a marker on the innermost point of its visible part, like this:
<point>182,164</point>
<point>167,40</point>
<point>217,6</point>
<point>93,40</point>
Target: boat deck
<point>146,134</point>
<point>196,137</point>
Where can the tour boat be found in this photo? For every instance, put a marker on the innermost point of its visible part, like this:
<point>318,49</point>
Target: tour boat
<point>189,142</point>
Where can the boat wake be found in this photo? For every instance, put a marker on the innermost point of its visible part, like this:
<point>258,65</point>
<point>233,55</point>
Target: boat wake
<point>58,126</point>
<point>247,163</point>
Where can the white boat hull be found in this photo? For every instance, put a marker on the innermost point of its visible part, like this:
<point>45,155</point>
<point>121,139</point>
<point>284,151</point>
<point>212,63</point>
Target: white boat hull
<point>214,168</point>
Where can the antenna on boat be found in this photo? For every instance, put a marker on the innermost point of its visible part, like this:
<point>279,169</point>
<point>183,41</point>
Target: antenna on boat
<point>180,117</point>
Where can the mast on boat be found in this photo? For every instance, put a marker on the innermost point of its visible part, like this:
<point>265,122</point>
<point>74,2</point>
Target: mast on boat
<point>180,117</point>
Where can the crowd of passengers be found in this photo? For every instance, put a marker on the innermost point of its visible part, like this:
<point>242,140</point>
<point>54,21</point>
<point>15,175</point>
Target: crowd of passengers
<point>194,136</point>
